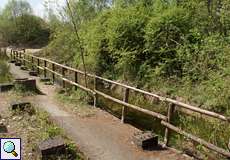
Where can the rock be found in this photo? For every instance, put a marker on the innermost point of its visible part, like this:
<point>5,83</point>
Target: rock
<point>45,79</point>
<point>23,68</point>
<point>21,79</point>
<point>27,84</point>
<point>12,61</point>
<point>52,146</point>
<point>6,87</point>
<point>18,64</point>
<point>3,128</point>
<point>22,107</point>
<point>146,140</point>
<point>33,73</point>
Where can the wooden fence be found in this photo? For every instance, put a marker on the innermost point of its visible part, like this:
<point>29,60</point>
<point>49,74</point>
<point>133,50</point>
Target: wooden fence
<point>45,65</point>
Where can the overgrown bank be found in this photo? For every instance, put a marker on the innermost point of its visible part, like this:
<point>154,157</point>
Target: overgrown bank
<point>166,47</point>
<point>179,50</point>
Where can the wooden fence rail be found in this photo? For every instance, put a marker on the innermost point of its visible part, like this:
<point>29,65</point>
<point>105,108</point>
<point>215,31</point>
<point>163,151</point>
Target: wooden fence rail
<point>37,62</point>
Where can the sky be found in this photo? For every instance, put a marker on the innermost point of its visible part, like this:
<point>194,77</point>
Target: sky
<point>37,5</point>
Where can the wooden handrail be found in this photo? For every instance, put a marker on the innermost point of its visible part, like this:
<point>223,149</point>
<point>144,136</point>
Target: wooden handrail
<point>197,139</point>
<point>161,98</point>
<point>154,114</point>
<point>166,120</point>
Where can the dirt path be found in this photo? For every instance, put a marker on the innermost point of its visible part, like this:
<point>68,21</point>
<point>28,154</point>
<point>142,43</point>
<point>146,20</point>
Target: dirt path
<point>99,137</point>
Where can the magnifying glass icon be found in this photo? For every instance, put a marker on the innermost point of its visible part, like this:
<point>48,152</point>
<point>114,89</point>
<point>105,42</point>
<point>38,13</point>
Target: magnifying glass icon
<point>9,147</point>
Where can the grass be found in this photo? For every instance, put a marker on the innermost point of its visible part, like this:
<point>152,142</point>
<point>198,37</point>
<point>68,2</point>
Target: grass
<point>76,100</point>
<point>209,129</point>
<point>5,76</point>
<point>33,129</point>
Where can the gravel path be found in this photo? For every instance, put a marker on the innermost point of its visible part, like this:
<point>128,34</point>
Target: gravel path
<point>99,137</point>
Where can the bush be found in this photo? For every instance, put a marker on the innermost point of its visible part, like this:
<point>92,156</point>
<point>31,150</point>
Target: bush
<point>164,34</point>
<point>4,72</point>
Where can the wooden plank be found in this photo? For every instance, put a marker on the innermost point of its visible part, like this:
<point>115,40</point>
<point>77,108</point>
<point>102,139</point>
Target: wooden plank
<point>124,108</point>
<point>151,113</point>
<point>197,139</point>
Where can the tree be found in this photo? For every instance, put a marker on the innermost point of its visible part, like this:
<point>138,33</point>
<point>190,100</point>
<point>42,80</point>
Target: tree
<point>19,26</point>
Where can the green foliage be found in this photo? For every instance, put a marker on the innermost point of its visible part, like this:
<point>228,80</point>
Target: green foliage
<point>19,26</point>
<point>178,48</point>
<point>4,72</point>
<point>164,34</point>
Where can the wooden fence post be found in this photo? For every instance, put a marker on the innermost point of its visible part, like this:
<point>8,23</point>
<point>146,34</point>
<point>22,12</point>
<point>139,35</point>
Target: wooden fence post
<point>11,54</point>
<point>63,76</point>
<point>95,97</point>
<point>14,55</point>
<point>32,62</point>
<point>171,109</point>
<point>124,108</point>
<point>45,65</point>
<point>20,57</point>
<point>24,59</point>
<point>38,62</point>
<point>76,79</point>
<point>53,75</point>
<point>17,56</point>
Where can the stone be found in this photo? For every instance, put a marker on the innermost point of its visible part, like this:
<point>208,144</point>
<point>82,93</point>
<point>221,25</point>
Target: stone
<point>23,68</point>
<point>33,73</point>
<point>20,105</point>
<point>12,61</point>
<point>28,84</point>
<point>6,87</point>
<point>146,140</point>
<point>21,79</point>
<point>3,128</point>
<point>18,64</point>
<point>52,146</point>
<point>45,79</point>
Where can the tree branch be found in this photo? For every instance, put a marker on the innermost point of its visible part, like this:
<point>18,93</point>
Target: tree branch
<point>78,39</point>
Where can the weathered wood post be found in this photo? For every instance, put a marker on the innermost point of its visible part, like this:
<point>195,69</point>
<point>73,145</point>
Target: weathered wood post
<point>95,96</point>
<point>38,63</point>
<point>5,50</point>
<point>32,62</point>
<point>24,62</point>
<point>20,57</point>
<point>124,108</point>
<point>53,75</point>
<point>45,65</point>
<point>17,57</point>
<point>11,54</point>
<point>75,79</point>
<point>171,109</point>
<point>63,76</point>
<point>14,53</point>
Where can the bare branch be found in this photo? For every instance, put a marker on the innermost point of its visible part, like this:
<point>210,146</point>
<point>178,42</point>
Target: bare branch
<point>78,39</point>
